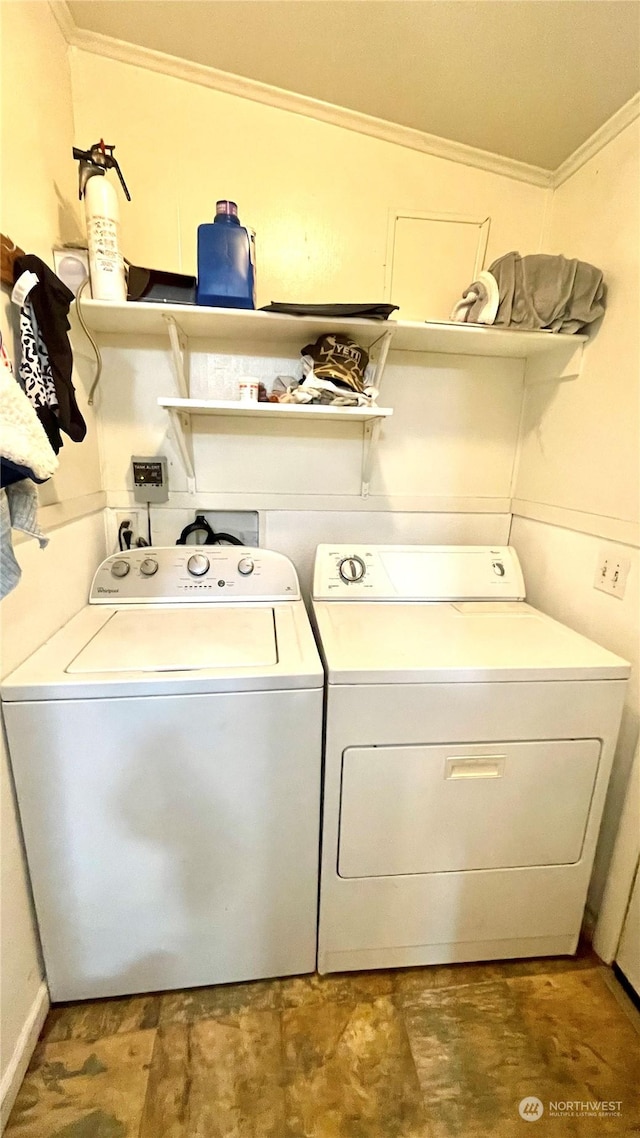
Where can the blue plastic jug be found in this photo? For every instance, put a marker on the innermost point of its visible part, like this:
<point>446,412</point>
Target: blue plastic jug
<point>226,261</point>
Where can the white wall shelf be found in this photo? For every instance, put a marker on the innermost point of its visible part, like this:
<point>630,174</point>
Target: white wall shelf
<point>230,324</point>
<point>548,356</point>
<point>181,412</point>
<point>227,407</point>
<point>479,340</point>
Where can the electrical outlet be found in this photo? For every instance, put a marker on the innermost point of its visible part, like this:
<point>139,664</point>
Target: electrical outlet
<point>612,571</point>
<point>137,519</point>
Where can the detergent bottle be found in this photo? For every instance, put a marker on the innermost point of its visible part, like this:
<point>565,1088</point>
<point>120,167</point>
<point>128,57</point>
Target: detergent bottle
<point>226,261</point>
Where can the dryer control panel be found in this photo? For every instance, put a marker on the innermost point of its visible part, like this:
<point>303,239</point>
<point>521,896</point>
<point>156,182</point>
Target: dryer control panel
<point>194,573</point>
<point>417,573</point>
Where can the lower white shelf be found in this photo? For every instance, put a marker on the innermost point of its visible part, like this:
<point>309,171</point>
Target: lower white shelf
<point>181,412</point>
<point>273,410</point>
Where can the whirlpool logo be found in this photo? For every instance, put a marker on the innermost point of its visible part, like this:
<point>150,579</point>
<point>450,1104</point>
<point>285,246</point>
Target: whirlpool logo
<point>101,589</point>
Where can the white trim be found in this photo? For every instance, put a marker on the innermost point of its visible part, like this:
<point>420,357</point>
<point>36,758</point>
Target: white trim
<point>322,503</point>
<point>61,513</point>
<point>597,525</point>
<point>253,89</point>
<point>622,871</point>
<point>22,1052</point>
<point>609,130</point>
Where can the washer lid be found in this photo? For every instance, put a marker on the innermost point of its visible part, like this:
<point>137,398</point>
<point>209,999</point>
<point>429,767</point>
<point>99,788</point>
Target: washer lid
<point>471,642</point>
<point>108,652</point>
<point>152,640</point>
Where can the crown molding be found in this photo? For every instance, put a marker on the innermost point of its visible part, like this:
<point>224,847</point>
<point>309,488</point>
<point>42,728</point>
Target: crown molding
<point>357,121</point>
<point>64,19</point>
<point>245,88</point>
<point>609,130</point>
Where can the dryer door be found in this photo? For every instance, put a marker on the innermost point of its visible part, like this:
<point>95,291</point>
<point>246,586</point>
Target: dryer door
<point>433,809</point>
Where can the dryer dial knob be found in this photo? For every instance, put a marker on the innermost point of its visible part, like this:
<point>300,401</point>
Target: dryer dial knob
<point>246,566</point>
<point>351,569</point>
<point>148,567</point>
<point>198,565</point>
<point>120,568</point>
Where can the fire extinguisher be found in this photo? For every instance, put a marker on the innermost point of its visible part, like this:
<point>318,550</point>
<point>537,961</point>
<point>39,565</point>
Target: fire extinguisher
<point>102,214</point>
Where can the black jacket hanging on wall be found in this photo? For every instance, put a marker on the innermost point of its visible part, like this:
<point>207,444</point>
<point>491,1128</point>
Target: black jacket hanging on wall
<point>50,300</point>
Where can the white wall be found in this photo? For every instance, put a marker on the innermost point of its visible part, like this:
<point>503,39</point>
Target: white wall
<point>296,533</point>
<point>39,208</point>
<point>319,197</point>
<point>450,444</point>
<point>578,481</point>
<point>580,440</point>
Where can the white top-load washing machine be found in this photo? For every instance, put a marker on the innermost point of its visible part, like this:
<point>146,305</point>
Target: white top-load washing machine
<point>166,749</point>
<point>469,741</point>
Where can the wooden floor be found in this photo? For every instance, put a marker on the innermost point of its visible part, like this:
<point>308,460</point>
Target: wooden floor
<point>422,1053</point>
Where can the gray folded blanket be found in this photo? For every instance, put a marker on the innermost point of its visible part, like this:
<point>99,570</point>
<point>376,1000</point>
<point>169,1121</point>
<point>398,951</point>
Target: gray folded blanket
<point>545,291</point>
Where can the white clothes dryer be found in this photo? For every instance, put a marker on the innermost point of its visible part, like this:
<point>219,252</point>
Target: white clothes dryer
<point>166,748</point>
<point>469,742</point>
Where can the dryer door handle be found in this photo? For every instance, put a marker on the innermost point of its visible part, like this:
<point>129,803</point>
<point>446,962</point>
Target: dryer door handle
<point>474,766</point>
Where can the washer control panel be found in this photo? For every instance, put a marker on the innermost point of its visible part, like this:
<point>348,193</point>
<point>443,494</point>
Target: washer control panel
<point>191,573</point>
<point>417,573</point>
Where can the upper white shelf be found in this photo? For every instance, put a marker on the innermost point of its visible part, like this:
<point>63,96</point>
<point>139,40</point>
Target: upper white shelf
<point>478,340</point>
<point>234,324</point>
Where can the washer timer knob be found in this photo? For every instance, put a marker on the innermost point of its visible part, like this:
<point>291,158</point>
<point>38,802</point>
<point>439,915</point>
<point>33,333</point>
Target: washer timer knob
<point>120,568</point>
<point>148,567</point>
<point>351,569</point>
<point>198,565</point>
<point>246,566</point>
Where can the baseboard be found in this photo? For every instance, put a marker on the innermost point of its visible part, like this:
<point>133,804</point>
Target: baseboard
<point>22,1052</point>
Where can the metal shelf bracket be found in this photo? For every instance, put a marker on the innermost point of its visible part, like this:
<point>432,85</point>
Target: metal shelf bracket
<point>563,362</point>
<point>370,438</point>
<point>181,425</point>
<point>179,345</point>
<point>383,351</point>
